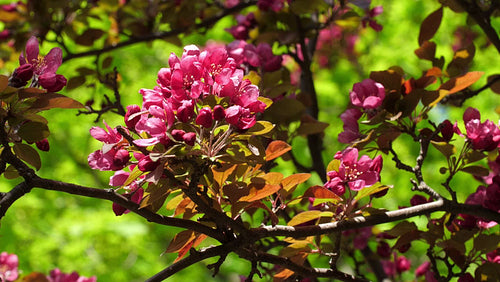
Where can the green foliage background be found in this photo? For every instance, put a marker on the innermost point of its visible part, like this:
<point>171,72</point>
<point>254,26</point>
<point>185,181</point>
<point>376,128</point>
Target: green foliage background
<point>48,229</point>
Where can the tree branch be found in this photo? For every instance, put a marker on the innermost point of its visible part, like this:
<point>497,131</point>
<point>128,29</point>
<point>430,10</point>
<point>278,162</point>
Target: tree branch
<point>390,216</point>
<point>161,35</point>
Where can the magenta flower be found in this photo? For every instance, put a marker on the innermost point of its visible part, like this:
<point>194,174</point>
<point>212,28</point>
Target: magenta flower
<point>370,18</point>
<point>135,196</point>
<point>367,94</point>
<point>483,136</point>
<point>351,128</point>
<point>204,117</point>
<point>44,68</point>
<point>240,117</point>
<point>353,173</point>
<point>8,267</point>
<point>402,264</point>
<point>494,256</point>
<point>57,276</point>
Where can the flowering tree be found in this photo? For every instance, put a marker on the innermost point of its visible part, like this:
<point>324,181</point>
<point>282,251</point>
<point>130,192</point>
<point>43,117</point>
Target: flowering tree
<point>201,151</point>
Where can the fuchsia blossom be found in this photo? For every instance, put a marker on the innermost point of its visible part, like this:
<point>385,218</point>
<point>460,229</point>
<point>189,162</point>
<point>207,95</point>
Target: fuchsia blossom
<point>351,128</point>
<point>42,69</point>
<point>353,173</point>
<point>8,267</point>
<point>369,19</point>
<point>244,25</point>
<point>483,136</point>
<point>367,94</point>
<point>255,56</point>
<point>57,276</point>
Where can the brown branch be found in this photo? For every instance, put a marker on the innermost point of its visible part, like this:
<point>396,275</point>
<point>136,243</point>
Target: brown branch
<point>298,269</point>
<point>161,35</point>
<point>194,257</point>
<point>482,18</point>
<point>390,216</point>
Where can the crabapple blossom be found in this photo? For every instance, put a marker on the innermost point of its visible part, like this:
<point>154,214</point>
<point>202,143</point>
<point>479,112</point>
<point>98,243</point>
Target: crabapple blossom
<point>42,69</point>
<point>367,94</point>
<point>482,135</point>
<point>353,173</point>
<point>8,267</point>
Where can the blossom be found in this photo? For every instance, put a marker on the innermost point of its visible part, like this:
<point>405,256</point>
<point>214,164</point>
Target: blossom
<point>494,256</point>
<point>369,19</point>
<point>44,68</point>
<point>57,276</point>
<point>354,173</point>
<point>367,94</point>
<point>205,117</point>
<point>483,136</point>
<point>134,196</point>
<point>351,128</point>
<point>8,267</point>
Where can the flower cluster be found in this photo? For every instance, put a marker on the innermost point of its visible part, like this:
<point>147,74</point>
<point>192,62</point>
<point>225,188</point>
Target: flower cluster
<point>483,136</point>
<point>255,56</point>
<point>200,101</point>
<point>366,97</point>
<point>40,70</point>
<point>8,267</point>
<point>353,173</point>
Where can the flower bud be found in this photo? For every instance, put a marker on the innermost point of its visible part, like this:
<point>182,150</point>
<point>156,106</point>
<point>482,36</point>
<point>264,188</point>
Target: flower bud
<point>43,145</point>
<point>204,118</point>
<point>219,113</point>
<point>178,134</point>
<point>131,110</point>
<point>52,82</point>
<point>24,72</point>
<point>146,164</point>
<point>120,159</point>
<point>189,138</point>
<point>418,200</point>
<point>384,250</point>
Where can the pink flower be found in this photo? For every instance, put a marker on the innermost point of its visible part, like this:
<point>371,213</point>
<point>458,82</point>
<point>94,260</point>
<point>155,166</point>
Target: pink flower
<point>204,117</point>
<point>189,138</point>
<point>402,264</point>
<point>57,276</point>
<point>44,68</point>
<point>467,277</point>
<point>240,117</point>
<point>111,136</point>
<point>367,94</point>
<point>132,117</point>
<point>483,136</point>
<point>135,196</point>
<point>43,145</point>
<point>119,178</point>
<point>383,249</point>
<point>494,256</point>
<point>113,159</point>
<point>8,267</point>
<point>146,164</point>
<point>354,173</point>
<point>266,5</point>
<point>369,19</point>
<point>219,113</point>
<point>351,128</point>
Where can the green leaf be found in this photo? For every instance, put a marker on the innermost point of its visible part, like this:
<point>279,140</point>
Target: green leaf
<point>155,195</point>
<point>28,154</point>
<point>32,131</point>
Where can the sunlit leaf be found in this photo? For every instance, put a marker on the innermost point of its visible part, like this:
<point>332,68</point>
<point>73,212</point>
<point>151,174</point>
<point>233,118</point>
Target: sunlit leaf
<point>307,216</point>
<point>459,83</point>
<point>261,127</point>
<point>4,81</point>
<point>321,192</point>
<point>375,188</point>
<point>276,148</point>
<point>256,193</point>
<point>180,240</point>
<point>290,182</point>
<point>427,51</point>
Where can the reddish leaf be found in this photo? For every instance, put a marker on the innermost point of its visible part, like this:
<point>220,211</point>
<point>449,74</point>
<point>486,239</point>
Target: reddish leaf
<point>32,131</point>
<point>89,36</point>
<point>222,173</point>
<point>4,81</point>
<point>28,154</point>
<point>54,100</point>
<point>75,82</point>
<point>320,192</point>
<point>426,51</point>
<point>461,61</point>
<point>495,83</point>
<point>256,193</point>
<point>476,170</point>
<point>402,228</point>
<point>276,149</point>
<point>307,216</point>
<point>180,240</point>
<point>459,83</point>
<point>293,180</point>
<point>430,25</point>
